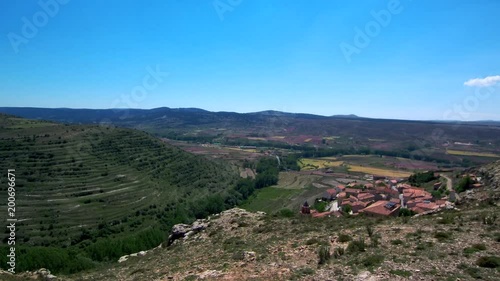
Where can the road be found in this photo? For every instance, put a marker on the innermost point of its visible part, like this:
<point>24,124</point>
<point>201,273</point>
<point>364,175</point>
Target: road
<point>449,183</point>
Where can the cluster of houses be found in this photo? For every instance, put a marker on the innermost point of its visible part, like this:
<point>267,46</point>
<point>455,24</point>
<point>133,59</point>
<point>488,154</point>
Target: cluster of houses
<point>383,197</point>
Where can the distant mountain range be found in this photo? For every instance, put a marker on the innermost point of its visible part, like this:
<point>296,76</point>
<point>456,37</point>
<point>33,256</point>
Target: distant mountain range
<point>166,121</point>
<point>94,115</point>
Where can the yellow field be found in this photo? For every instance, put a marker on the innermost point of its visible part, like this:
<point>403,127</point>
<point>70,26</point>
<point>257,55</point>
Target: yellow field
<point>319,163</point>
<point>242,149</point>
<point>278,137</point>
<point>308,140</point>
<point>357,156</point>
<point>470,153</point>
<point>330,138</point>
<point>255,138</point>
<point>378,171</point>
<point>291,180</point>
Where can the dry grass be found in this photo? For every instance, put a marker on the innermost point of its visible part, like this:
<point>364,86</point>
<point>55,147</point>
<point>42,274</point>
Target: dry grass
<point>379,172</point>
<point>242,149</point>
<point>318,163</point>
<point>470,153</point>
<point>256,138</point>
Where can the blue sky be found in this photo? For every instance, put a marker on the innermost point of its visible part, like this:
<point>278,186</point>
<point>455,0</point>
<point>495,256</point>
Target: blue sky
<point>253,55</point>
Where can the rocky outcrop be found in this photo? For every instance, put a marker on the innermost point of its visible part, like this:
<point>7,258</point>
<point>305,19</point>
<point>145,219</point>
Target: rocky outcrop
<point>184,231</point>
<point>491,175</point>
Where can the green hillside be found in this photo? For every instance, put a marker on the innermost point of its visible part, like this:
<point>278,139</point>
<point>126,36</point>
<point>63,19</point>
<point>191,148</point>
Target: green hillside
<point>81,189</point>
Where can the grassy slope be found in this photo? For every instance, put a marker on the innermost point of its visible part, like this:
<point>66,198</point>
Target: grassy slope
<point>436,247</point>
<point>72,179</point>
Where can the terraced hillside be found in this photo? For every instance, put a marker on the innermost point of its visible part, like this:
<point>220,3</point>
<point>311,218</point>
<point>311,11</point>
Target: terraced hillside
<point>82,186</point>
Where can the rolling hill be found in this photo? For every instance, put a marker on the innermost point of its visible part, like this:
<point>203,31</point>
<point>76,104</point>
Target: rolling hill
<point>89,193</point>
<point>191,121</point>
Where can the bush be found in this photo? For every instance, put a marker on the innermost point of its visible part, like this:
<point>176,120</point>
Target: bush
<point>323,254</point>
<point>305,271</point>
<point>312,241</point>
<point>497,237</point>
<point>373,260</point>
<point>344,238</point>
<point>404,212</point>
<point>475,248</point>
<point>442,236</point>
<point>489,262</point>
<point>400,272</point>
<point>338,252</point>
<point>320,206</point>
<point>356,246</point>
<point>397,242</point>
<point>286,213</point>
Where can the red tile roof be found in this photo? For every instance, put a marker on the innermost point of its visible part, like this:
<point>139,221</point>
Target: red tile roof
<point>332,191</point>
<point>378,208</point>
<point>352,191</point>
<point>366,196</point>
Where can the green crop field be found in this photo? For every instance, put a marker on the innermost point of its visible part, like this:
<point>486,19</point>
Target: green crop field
<point>270,199</point>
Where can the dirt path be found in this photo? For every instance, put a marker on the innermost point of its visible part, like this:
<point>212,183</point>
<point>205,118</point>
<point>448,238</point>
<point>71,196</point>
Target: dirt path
<point>449,183</point>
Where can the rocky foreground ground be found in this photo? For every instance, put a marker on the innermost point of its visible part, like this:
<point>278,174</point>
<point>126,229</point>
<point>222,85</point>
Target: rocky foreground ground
<point>239,245</point>
<point>460,244</point>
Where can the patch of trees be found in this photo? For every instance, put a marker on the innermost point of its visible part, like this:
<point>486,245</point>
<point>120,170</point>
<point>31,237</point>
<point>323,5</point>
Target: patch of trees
<point>464,184</point>
<point>421,178</point>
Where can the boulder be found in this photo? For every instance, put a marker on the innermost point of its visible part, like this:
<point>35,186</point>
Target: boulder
<point>123,259</point>
<point>199,225</point>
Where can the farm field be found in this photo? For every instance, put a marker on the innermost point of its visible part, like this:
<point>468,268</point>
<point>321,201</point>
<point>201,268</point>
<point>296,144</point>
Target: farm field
<point>379,171</point>
<point>318,163</point>
<point>368,164</point>
<point>471,153</point>
<point>270,199</point>
<point>293,180</point>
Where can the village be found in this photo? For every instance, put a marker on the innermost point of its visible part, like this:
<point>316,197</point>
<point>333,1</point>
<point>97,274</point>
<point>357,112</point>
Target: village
<point>383,197</point>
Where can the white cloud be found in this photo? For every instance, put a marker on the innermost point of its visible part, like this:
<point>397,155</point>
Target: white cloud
<point>483,82</point>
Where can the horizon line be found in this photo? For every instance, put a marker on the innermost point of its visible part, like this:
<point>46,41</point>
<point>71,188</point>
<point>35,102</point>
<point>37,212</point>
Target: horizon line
<point>349,115</point>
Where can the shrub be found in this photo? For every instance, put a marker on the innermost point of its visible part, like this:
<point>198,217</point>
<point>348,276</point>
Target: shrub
<point>442,236</point>
<point>344,238</point>
<point>470,250</point>
<point>356,246</point>
<point>497,237</point>
<point>488,261</point>
<point>320,206</point>
<point>400,272</point>
<point>370,231</point>
<point>323,254</point>
<point>397,242</point>
<point>488,219</point>
<point>423,246</point>
<point>312,241</point>
<point>373,260</point>
<point>286,213</point>
<point>305,271</point>
<point>404,212</point>
<point>338,252</point>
